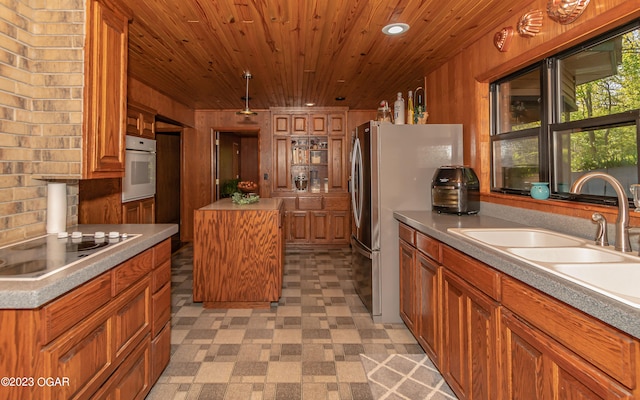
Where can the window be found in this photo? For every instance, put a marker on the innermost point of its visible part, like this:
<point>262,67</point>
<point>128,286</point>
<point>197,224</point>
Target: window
<point>576,112</point>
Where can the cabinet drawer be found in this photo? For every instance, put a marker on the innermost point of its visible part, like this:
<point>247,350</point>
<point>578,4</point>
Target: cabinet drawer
<point>131,270</point>
<point>132,317</point>
<point>473,271</point>
<point>336,203</point>
<point>310,203</point>
<point>161,305</point>
<point>161,276</point>
<point>605,347</point>
<point>428,246</point>
<point>132,380</point>
<point>162,252</point>
<point>289,203</point>
<point>160,352</point>
<point>407,234</point>
<point>84,353</point>
<point>62,314</point>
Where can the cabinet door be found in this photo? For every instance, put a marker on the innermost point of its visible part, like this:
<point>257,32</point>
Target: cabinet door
<point>337,164</point>
<point>298,224</point>
<point>408,301</point>
<point>281,156</point>
<point>469,330</point>
<point>337,124</point>
<point>105,93</point>
<point>160,352</point>
<point>318,124</point>
<point>281,124</point>
<point>537,367</point>
<point>300,124</point>
<point>132,379</point>
<point>131,212</point>
<point>85,354</point>
<point>429,307</point>
<point>340,226</point>
<point>148,211</point>
<point>320,226</point>
<point>132,320</point>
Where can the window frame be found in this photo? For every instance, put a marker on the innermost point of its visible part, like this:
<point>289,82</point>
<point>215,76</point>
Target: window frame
<point>550,110</point>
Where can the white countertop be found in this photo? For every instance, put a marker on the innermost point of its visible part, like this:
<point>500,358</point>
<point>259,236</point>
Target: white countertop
<point>26,294</point>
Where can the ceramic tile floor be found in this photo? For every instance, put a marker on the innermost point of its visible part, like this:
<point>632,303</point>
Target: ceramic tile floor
<point>307,346</point>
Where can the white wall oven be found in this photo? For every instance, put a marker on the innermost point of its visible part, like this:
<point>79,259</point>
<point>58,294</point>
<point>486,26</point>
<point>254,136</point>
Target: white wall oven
<point>139,180</point>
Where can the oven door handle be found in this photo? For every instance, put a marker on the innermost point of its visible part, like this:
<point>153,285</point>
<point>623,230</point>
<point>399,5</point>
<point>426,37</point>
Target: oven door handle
<point>139,151</point>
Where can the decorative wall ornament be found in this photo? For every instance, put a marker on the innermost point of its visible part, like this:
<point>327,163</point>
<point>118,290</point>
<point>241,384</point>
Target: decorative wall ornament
<point>566,11</point>
<point>502,39</point>
<point>530,23</point>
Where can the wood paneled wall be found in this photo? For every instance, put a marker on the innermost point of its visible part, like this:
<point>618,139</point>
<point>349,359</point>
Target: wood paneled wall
<point>164,105</point>
<point>458,91</point>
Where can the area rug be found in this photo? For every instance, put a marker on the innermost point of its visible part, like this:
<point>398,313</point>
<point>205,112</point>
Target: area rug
<point>405,376</point>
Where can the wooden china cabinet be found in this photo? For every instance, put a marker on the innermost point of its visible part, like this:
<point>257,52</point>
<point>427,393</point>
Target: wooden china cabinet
<point>310,165</point>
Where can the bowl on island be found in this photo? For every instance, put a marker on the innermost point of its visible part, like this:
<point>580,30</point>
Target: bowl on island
<point>247,186</point>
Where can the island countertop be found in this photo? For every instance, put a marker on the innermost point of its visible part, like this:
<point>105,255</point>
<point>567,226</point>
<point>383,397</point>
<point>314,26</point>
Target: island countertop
<point>228,205</point>
<point>27,294</point>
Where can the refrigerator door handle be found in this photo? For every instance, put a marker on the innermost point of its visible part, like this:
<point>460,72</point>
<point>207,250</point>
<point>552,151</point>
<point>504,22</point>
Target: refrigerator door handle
<point>356,182</point>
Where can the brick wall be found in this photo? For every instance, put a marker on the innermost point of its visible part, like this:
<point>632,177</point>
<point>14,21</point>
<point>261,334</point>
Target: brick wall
<point>41,82</point>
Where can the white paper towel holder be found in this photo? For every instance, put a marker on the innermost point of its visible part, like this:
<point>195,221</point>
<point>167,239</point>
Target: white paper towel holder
<point>56,207</point>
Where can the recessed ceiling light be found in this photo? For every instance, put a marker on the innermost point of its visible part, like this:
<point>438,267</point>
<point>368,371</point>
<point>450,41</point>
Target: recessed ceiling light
<point>340,98</point>
<point>395,29</point>
<point>309,104</point>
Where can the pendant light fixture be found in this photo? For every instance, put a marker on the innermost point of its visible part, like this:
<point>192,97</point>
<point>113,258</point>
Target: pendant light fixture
<point>247,111</point>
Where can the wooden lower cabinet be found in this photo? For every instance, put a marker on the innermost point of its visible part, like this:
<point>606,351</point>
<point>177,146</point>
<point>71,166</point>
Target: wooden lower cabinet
<point>408,274</point>
<point>428,309</point>
<point>132,380</point>
<point>139,211</point>
<point>537,367</point>
<point>317,219</point>
<point>98,336</point>
<point>494,337</point>
<point>469,335</point>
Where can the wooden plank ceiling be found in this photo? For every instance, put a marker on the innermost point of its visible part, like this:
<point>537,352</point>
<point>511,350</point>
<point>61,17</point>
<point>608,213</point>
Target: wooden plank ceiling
<point>298,51</point>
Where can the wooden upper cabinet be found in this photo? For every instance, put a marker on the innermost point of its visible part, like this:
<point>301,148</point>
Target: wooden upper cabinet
<point>318,124</point>
<point>337,124</point>
<point>141,121</point>
<point>105,91</point>
<point>300,124</point>
<point>281,124</point>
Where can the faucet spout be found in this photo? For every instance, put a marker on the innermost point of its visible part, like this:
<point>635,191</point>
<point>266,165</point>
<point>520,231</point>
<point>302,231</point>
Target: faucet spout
<point>622,222</point>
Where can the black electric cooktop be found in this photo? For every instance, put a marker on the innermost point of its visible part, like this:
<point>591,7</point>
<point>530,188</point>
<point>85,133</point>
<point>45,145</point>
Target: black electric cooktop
<point>45,255</point>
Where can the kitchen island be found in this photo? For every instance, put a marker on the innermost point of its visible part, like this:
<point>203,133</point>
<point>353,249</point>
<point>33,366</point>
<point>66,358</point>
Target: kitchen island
<point>238,254</point>
<point>97,328</point>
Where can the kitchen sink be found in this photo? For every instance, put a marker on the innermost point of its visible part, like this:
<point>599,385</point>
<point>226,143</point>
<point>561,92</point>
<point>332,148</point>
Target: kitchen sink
<point>517,237</point>
<point>617,280</point>
<point>601,269</point>
<point>567,255</point>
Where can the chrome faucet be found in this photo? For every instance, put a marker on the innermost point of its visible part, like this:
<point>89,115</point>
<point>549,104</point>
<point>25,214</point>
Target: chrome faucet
<point>622,222</point>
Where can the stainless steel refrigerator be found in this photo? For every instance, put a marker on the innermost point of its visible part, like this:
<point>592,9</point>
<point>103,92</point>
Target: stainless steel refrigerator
<point>391,169</point>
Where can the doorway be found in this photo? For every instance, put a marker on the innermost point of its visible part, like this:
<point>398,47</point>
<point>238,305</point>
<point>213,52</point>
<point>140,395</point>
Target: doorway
<point>168,177</point>
<point>237,155</point>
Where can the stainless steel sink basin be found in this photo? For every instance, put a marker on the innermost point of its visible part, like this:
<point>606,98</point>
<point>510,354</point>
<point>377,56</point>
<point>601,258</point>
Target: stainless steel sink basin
<point>517,237</point>
<point>567,254</point>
